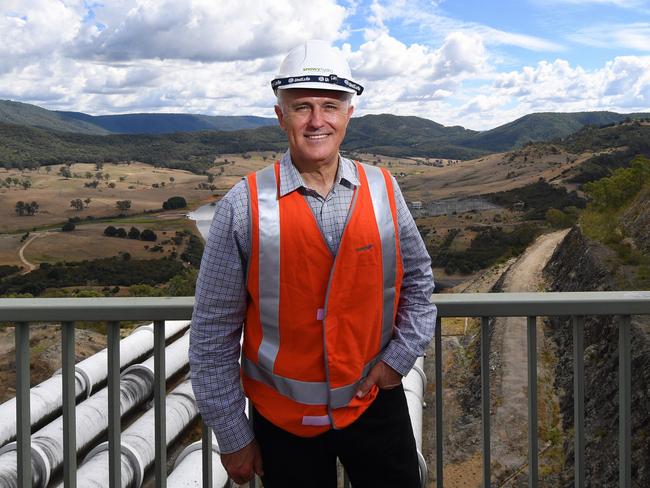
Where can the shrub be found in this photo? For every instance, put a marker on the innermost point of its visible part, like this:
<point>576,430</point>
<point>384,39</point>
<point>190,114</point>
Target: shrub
<point>121,232</point>
<point>174,202</point>
<point>148,235</point>
<point>68,227</point>
<point>110,231</point>
<point>134,233</point>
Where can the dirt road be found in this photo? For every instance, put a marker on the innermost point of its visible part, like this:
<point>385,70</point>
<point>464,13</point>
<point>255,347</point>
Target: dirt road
<point>21,253</point>
<point>510,419</point>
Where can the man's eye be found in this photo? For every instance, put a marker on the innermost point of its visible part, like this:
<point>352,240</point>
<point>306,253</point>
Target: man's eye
<point>301,108</point>
<point>331,108</point>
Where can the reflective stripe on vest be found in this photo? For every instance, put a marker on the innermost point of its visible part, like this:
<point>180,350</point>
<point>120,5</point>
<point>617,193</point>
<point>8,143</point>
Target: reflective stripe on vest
<point>269,239</point>
<point>311,392</point>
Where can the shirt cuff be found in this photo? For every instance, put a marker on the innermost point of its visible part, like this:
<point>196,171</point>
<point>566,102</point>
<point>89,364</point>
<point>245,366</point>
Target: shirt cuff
<point>237,435</point>
<point>398,357</point>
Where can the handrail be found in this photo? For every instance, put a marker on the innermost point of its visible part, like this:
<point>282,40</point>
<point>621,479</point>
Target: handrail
<point>449,305</point>
<point>483,305</point>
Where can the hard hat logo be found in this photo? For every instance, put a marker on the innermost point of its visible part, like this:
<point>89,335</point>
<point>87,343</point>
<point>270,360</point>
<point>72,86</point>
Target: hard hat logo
<point>311,57</point>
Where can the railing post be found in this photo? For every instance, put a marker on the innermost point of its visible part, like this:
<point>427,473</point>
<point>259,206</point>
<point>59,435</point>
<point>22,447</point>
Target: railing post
<point>579,399</point>
<point>625,402</point>
<point>532,403</point>
<point>69,404</point>
<point>159,403</point>
<point>485,398</point>
<point>439,393</point>
<point>114,426</point>
<point>23,419</point>
<point>206,455</point>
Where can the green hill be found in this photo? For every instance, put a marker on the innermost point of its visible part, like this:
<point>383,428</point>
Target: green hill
<point>31,115</point>
<point>169,123</point>
<point>545,126</point>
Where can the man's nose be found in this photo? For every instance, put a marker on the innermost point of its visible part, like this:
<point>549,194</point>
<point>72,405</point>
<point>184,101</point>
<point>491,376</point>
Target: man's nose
<point>316,119</point>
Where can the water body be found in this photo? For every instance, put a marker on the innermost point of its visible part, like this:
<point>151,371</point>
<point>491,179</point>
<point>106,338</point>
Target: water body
<point>203,217</point>
<point>453,205</point>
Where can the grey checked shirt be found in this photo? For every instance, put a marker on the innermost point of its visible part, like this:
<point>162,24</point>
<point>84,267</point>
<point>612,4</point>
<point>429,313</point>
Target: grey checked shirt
<point>221,296</point>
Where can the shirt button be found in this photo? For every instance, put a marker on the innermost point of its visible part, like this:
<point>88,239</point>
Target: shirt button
<point>329,238</point>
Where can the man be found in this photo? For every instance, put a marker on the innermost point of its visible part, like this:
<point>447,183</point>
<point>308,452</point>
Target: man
<point>317,259</point>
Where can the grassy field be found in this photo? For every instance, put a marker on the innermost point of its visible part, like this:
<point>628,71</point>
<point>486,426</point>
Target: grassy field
<point>147,187</point>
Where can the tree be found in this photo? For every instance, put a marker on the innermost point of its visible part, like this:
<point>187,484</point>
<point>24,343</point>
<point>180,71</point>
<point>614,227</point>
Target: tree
<point>68,226</point>
<point>87,201</point>
<point>30,208</point>
<point>148,235</point>
<point>123,205</point>
<point>134,233</point>
<point>121,232</point>
<point>21,208</point>
<point>77,204</point>
<point>172,180</point>
<point>26,184</point>
<point>110,231</point>
<point>65,172</point>
<point>174,202</point>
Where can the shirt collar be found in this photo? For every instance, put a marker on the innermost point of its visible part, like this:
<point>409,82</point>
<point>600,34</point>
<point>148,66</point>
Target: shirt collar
<point>291,180</point>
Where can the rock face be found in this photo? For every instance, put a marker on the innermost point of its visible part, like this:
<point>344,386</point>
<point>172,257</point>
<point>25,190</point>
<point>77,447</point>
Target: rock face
<point>580,265</point>
<point>636,220</point>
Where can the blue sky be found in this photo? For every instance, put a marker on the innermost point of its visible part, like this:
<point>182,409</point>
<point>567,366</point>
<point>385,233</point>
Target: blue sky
<point>473,63</point>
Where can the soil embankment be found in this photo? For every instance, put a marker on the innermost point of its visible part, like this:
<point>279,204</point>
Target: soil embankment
<point>508,359</point>
<point>582,265</point>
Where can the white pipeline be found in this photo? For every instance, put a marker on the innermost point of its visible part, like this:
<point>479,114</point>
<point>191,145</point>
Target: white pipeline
<point>138,446</point>
<point>188,468</point>
<point>46,398</point>
<point>415,384</point>
<point>136,386</point>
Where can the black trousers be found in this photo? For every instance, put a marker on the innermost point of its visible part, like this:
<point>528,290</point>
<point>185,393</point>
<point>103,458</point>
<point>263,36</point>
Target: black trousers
<point>377,450</point>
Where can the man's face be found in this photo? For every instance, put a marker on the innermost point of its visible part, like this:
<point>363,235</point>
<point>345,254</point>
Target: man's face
<point>315,122</point>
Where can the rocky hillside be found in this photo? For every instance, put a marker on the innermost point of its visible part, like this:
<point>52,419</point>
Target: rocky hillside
<point>579,265</point>
<point>636,220</point>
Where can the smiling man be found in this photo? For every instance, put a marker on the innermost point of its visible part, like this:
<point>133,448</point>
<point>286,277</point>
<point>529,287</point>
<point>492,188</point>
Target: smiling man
<point>317,261</point>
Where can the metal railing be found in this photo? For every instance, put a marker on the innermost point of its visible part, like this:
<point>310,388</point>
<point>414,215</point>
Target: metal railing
<point>67,311</point>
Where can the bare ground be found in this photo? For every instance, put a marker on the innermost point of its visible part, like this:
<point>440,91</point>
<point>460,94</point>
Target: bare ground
<point>462,449</point>
<point>510,417</point>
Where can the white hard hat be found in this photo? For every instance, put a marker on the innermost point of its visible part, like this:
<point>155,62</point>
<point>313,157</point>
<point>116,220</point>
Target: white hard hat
<point>315,64</point>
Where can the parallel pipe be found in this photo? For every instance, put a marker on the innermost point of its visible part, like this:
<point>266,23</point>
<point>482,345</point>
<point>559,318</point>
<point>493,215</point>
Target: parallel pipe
<point>138,442</point>
<point>188,468</point>
<point>136,386</point>
<point>415,384</point>
<point>187,471</point>
<point>46,398</point>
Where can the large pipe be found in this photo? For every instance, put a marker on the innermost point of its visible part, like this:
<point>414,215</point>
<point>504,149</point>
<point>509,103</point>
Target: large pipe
<point>138,442</point>
<point>136,386</point>
<point>415,384</point>
<point>46,398</point>
<point>188,467</point>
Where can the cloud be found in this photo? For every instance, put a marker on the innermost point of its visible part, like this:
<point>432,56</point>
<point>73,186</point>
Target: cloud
<point>29,30</point>
<point>207,31</point>
<point>612,36</point>
<point>429,20</point>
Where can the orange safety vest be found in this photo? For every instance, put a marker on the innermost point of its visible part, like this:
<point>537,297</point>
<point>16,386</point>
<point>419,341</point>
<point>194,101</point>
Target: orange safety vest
<point>315,322</point>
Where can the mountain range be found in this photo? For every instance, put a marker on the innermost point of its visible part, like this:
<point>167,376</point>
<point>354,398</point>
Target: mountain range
<point>31,134</point>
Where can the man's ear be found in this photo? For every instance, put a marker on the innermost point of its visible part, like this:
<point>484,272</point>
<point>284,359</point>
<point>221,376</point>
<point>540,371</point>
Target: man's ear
<point>280,116</point>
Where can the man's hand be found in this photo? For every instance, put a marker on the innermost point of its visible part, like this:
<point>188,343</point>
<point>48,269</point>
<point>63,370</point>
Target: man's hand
<point>381,375</point>
<point>242,465</point>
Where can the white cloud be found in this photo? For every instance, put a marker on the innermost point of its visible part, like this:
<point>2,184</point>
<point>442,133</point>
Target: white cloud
<point>628,36</point>
<point>426,17</point>
<point>29,30</point>
<point>204,30</point>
